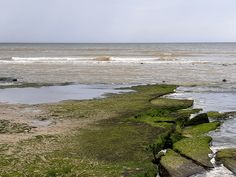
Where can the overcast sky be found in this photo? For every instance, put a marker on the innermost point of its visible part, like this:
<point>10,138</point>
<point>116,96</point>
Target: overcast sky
<point>117,20</point>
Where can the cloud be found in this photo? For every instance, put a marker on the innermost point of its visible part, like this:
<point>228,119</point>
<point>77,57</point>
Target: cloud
<point>117,21</point>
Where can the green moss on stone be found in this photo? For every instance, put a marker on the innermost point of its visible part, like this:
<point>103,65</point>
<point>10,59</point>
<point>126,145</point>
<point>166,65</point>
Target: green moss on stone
<point>228,158</point>
<point>173,164</point>
<point>175,137</point>
<point>10,127</point>
<point>214,114</point>
<point>187,112</point>
<point>226,153</point>
<point>172,104</point>
<point>221,116</point>
<point>196,148</point>
<point>198,130</point>
<point>164,122</point>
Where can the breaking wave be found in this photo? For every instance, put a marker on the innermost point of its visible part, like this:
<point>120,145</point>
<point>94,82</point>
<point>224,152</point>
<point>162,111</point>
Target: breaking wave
<point>96,59</point>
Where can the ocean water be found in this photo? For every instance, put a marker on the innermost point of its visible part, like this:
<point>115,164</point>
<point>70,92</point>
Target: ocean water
<point>200,63</point>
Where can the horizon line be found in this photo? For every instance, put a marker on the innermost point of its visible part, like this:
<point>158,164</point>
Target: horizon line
<point>115,42</point>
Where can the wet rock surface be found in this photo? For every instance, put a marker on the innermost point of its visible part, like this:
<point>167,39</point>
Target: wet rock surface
<point>196,148</point>
<point>174,165</point>
<point>198,119</point>
<point>8,79</point>
<point>228,158</point>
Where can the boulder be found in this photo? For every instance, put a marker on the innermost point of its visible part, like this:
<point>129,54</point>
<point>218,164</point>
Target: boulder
<point>174,165</point>
<point>228,158</point>
<point>200,129</point>
<point>196,148</point>
<point>221,116</point>
<point>7,79</point>
<point>198,119</point>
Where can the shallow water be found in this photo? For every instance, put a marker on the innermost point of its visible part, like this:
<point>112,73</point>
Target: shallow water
<point>125,63</point>
<point>52,94</point>
<point>215,98</point>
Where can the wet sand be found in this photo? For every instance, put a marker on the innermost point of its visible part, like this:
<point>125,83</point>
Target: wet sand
<point>129,73</point>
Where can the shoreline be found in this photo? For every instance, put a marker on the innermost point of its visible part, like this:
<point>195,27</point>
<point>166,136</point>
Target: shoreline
<point>121,73</point>
<point>87,126</point>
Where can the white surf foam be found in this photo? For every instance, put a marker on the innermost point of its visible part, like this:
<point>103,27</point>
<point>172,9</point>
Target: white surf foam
<point>99,59</point>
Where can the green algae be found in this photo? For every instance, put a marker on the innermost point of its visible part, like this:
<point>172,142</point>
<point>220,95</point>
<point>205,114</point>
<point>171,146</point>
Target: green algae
<point>196,148</point>
<point>10,127</point>
<point>198,130</point>
<point>172,104</point>
<point>125,135</point>
<point>220,116</point>
<point>175,137</point>
<point>111,146</point>
<point>115,143</point>
<point>116,105</point>
<point>174,114</point>
<point>228,158</point>
<point>226,153</point>
<point>214,114</point>
<point>173,164</point>
<point>188,111</point>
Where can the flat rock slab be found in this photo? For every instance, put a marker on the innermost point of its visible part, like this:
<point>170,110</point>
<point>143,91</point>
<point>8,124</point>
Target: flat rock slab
<point>200,129</point>
<point>174,165</point>
<point>172,103</point>
<point>196,148</point>
<point>228,158</point>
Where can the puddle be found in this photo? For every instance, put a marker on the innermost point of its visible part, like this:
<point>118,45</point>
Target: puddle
<point>41,123</point>
<point>52,94</point>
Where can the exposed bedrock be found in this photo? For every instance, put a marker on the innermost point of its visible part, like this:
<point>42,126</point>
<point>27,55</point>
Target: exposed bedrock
<point>228,158</point>
<point>196,148</point>
<point>174,165</point>
<point>198,119</point>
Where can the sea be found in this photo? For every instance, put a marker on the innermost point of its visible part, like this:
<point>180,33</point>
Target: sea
<point>205,71</point>
<point>178,63</point>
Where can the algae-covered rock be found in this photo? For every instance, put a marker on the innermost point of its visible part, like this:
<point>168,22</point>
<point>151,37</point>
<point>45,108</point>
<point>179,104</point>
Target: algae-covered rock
<point>155,121</point>
<point>172,103</point>
<point>174,137</point>
<point>196,148</point>
<point>187,112</point>
<point>7,79</point>
<point>228,158</point>
<point>158,145</point>
<point>10,127</point>
<point>220,116</point>
<point>174,165</point>
<point>198,130</point>
<point>214,114</point>
<point>198,119</point>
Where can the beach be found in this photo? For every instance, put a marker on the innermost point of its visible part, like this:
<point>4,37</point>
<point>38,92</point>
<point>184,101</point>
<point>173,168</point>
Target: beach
<point>84,109</point>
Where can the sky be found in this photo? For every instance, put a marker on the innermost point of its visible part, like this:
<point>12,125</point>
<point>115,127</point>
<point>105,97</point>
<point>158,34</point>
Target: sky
<point>101,21</point>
